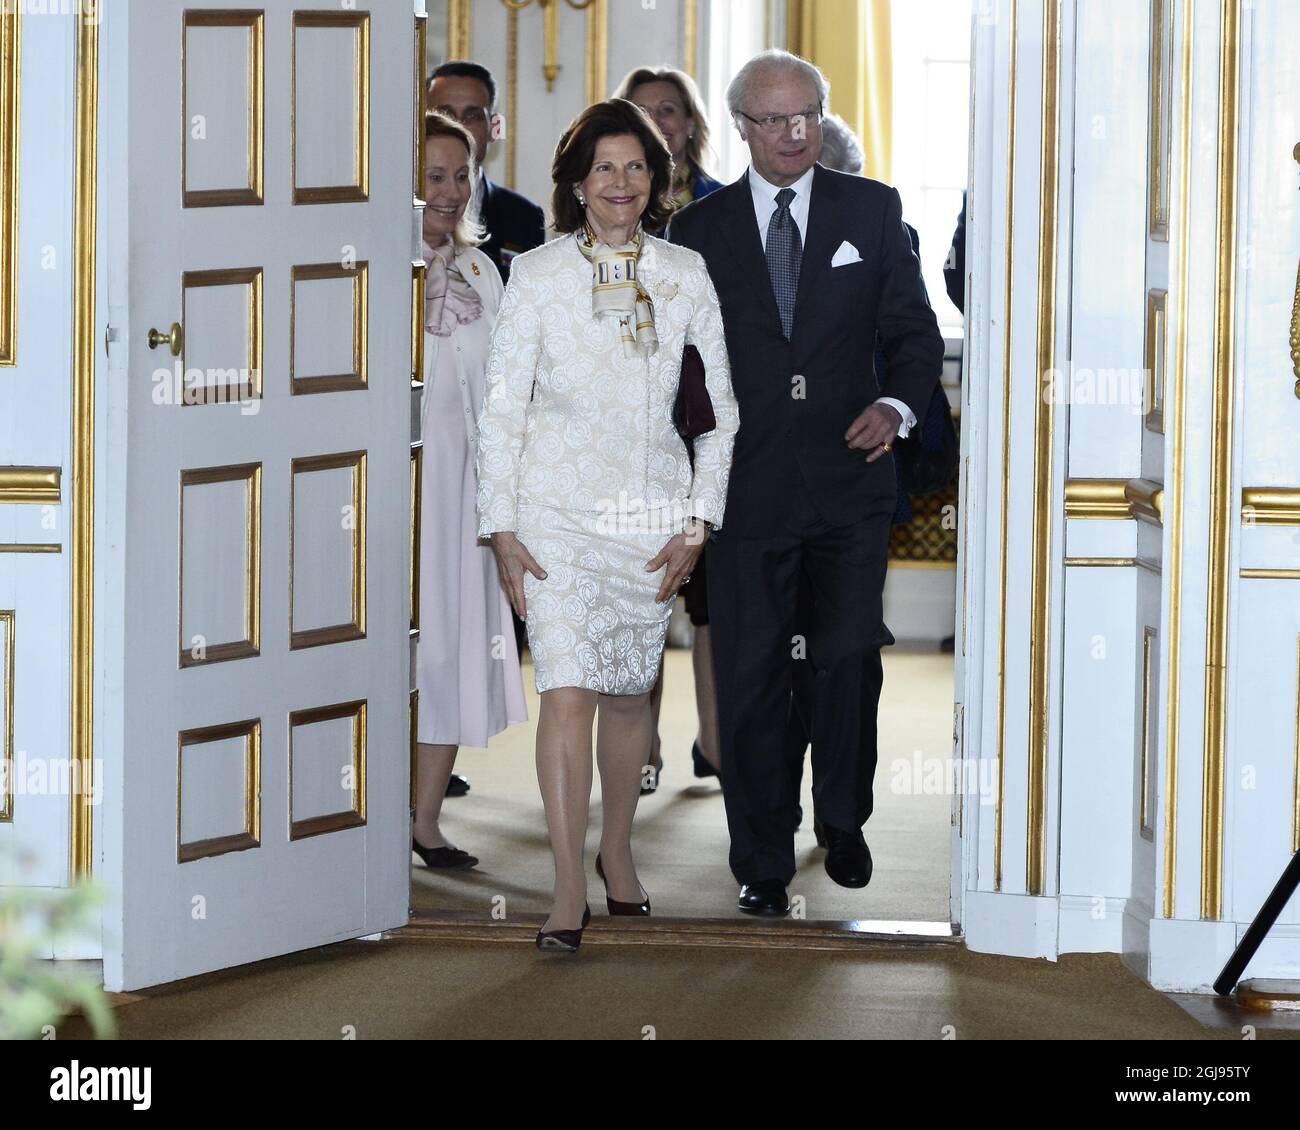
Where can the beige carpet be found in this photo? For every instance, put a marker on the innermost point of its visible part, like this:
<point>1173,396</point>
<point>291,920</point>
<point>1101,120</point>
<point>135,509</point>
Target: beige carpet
<point>421,990</point>
<point>681,831</point>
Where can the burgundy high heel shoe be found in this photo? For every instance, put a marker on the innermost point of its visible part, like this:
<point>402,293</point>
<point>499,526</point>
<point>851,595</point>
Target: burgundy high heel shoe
<point>564,941</point>
<point>622,909</point>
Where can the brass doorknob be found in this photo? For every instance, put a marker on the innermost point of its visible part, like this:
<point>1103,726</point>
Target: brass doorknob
<point>175,339</point>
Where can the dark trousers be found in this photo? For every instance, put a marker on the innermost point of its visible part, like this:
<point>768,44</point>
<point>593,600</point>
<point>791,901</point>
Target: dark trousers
<point>755,616</point>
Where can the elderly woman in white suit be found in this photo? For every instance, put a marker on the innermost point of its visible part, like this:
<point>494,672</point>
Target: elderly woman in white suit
<point>594,512</point>
<point>467,663</point>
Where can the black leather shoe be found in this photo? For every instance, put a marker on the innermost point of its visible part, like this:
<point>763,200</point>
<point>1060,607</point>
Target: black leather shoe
<point>702,767</point>
<point>444,858</point>
<point>457,785</point>
<point>765,897</point>
<point>848,859</point>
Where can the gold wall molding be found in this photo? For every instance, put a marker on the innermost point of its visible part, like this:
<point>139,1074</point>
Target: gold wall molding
<point>1102,499</point>
<point>1295,310</point>
<point>250,836</point>
<point>1114,500</point>
<point>460,29</point>
<point>10,118</point>
<point>1178,409</point>
<point>85,229</point>
<point>596,59</point>
<point>30,547</point>
<point>1146,498</point>
<point>7,617</point>
<point>1271,574</point>
<point>1101,562</point>
<point>30,485</point>
<point>1007,319</point>
<point>1270,506</point>
<point>1155,359</point>
<point>1040,625</point>
<point>1159,119</point>
<point>1221,453</point>
<point>691,36</point>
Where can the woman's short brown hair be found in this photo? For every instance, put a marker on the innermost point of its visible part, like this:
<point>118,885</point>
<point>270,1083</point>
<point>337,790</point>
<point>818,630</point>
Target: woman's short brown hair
<point>469,232</point>
<point>576,154</point>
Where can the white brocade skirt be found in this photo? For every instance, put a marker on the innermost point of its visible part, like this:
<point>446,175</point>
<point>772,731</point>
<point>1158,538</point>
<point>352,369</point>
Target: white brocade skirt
<point>594,622</point>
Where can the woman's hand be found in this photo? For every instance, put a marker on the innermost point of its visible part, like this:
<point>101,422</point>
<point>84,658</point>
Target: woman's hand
<point>513,560</point>
<point>680,555</point>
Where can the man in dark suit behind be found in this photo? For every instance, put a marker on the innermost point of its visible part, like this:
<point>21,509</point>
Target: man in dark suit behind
<point>810,266</point>
<point>468,93</point>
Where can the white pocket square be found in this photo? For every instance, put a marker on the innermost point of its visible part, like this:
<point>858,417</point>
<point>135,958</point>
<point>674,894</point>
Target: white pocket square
<point>845,255</point>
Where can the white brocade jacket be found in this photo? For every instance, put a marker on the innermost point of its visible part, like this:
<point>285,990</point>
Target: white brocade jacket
<point>570,422</point>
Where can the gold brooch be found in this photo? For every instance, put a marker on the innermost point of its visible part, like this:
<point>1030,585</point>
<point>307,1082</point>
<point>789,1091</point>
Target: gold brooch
<point>474,267</point>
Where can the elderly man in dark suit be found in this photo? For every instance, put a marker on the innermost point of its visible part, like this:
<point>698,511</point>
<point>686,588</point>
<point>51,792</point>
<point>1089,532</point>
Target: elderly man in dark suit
<point>810,266</point>
<point>468,92</point>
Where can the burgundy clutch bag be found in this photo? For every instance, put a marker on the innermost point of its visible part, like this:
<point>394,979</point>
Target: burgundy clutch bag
<point>693,411</point>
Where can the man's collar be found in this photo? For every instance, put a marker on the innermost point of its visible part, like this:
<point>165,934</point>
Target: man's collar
<point>765,188</point>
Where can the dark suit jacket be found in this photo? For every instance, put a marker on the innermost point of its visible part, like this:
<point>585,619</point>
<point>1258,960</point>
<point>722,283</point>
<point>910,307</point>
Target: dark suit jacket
<point>784,437</point>
<point>514,224</point>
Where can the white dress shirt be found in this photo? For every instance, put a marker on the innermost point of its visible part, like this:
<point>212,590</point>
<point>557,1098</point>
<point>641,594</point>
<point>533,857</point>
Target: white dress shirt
<point>764,194</point>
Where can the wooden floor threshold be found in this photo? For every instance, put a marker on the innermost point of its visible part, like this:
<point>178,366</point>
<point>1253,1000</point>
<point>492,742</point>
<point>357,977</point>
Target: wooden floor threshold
<point>725,933</point>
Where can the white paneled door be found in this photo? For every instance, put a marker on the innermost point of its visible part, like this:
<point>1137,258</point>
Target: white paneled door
<point>259,184</point>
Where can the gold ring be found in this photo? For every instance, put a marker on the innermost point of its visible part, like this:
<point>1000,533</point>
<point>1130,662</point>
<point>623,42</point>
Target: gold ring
<point>886,447</point>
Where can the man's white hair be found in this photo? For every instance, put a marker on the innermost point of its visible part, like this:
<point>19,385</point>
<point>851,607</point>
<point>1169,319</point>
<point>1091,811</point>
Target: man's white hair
<point>766,62</point>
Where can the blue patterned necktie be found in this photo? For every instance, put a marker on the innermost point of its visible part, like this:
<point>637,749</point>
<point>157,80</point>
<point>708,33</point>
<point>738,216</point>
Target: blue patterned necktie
<point>784,251</point>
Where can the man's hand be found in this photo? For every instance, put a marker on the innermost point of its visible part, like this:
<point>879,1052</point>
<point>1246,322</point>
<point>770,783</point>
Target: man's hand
<point>875,431</point>
<point>513,560</point>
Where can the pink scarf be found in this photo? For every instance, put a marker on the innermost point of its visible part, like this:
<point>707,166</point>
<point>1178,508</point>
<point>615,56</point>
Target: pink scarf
<point>449,300</point>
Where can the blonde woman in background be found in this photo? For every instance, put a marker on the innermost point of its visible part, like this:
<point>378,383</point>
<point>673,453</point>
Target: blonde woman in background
<point>467,665</point>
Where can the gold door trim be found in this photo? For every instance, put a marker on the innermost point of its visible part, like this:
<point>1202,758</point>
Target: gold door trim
<point>334,633</point>
<point>251,645</point>
<point>1179,459</point>
<point>419,281</point>
<point>1221,507</point>
<point>251,836</point>
<point>354,817</point>
<point>1040,626</point>
<point>421,79</point>
<point>254,192</point>
<point>359,190</point>
<point>7,618</point>
<point>1158,151</point>
<point>1101,562</point>
<point>1155,358</point>
<point>1146,499</point>
<point>1146,821</point>
<point>1270,506</point>
<point>417,498</point>
<point>415,744</point>
<point>358,379</point>
<point>21,486</point>
<point>11,50</point>
<point>1004,527</point>
<point>81,720</point>
<point>1271,574</point>
<point>239,276</point>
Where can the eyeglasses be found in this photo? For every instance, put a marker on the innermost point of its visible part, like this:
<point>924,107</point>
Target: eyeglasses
<point>780,123</point>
